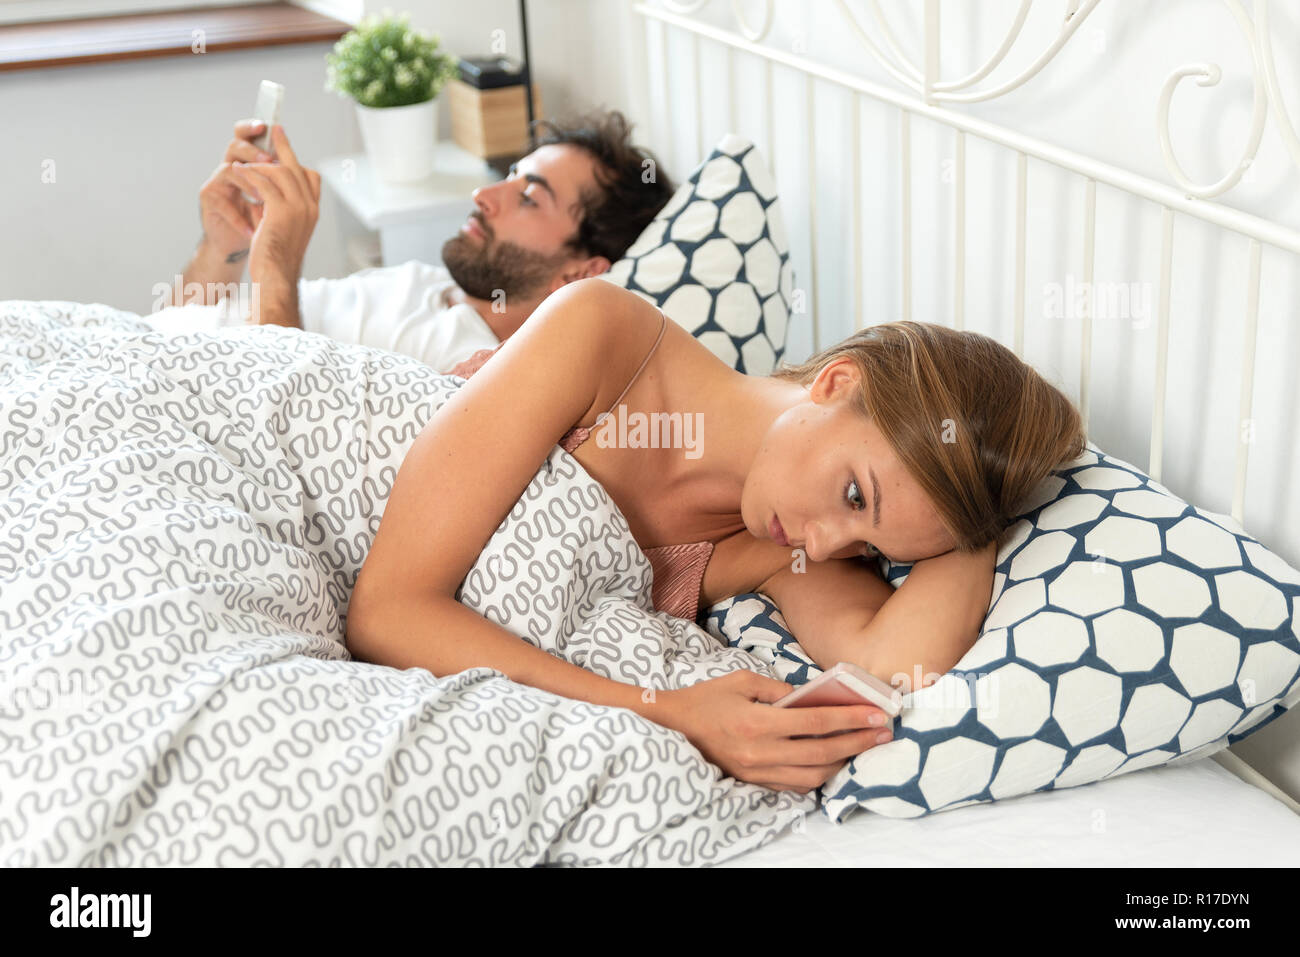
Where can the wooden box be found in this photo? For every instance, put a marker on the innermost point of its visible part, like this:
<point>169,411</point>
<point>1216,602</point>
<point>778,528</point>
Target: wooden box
<point>491,123</point>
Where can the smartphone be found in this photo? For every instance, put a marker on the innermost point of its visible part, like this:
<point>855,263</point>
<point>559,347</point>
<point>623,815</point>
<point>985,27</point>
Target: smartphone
<point>270,97</point>
<point>845,683</point>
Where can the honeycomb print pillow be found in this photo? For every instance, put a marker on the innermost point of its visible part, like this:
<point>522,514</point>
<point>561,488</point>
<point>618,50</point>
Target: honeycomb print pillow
<point>1127,629</point>
<point>716,259</point>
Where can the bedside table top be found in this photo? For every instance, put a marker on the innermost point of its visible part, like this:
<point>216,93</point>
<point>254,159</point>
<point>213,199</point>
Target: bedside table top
<point>377,204</point>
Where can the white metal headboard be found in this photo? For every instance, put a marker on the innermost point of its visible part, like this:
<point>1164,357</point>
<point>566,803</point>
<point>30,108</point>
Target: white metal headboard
<point>920,90</point>
<point>923,93</point>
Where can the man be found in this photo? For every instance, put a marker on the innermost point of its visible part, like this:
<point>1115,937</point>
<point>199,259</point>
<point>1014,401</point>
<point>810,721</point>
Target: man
<point>568,210</point>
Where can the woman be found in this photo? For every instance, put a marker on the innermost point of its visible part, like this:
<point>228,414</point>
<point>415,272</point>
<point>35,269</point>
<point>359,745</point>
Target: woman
<point>910,440</point>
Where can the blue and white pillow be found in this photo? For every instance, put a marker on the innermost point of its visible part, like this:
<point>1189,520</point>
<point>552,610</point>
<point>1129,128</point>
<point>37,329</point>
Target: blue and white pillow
<point>716,259</point>
<point>1127,629</point>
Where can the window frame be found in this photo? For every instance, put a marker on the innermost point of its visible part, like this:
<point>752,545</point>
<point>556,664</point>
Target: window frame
<point>42,11</point>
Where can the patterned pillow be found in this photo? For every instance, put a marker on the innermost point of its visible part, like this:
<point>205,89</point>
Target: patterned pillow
<point>1127,629</point>
<point>716,260</point>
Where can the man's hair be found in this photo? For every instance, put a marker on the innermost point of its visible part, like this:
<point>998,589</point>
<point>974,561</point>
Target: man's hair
<point>632,185</point>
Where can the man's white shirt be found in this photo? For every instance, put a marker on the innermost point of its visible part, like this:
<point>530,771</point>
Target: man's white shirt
<point>406,309</point>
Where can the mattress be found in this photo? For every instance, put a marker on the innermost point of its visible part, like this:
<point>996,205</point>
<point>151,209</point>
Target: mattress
<point>1192,815</point>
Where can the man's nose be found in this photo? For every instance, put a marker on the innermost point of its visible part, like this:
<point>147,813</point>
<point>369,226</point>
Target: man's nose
<point>484,198</point>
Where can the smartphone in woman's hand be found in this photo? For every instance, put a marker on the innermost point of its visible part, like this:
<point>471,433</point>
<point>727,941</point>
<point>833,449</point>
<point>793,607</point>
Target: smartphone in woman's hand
<point>843,684</point>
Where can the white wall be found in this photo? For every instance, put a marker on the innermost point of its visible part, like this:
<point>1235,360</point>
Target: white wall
<point>577,47</point>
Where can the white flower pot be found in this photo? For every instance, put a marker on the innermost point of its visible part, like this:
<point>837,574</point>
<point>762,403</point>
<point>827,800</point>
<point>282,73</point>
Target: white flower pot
<point>400,139</point>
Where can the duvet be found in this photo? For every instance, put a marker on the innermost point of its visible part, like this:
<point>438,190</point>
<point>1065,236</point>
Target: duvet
<point>182,518</point>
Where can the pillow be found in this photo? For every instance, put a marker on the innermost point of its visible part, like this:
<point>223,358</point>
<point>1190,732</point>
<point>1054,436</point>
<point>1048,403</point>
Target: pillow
<point>1127,629</point>
<point>716,260</point>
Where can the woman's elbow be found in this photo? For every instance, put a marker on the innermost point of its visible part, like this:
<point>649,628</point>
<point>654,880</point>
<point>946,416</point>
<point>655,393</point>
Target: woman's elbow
<point>364,626</point>
<point>398,628</point>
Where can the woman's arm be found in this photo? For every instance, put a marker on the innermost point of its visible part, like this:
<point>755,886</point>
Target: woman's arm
<point>465,472</point>
<point>842,610</point>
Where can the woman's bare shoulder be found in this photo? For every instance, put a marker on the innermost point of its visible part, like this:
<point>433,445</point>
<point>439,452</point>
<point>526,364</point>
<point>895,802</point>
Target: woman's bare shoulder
<point>613,328</point>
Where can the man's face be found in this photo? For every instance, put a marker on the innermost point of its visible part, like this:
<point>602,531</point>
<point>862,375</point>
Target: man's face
<point>513,243</point>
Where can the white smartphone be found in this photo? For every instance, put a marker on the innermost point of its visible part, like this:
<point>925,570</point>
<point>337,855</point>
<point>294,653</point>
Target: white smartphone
<point>845,683</point>
<point>270,98</point>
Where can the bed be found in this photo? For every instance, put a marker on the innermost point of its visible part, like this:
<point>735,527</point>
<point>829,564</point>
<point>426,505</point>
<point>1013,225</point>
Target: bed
<point>1141,820</point>
<point>184,515</point>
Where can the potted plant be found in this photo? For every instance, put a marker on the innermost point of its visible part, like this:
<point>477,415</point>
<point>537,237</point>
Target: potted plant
<point>394,74</point>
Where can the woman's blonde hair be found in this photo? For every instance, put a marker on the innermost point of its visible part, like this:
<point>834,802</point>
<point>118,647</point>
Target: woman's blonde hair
<point>976,427</point>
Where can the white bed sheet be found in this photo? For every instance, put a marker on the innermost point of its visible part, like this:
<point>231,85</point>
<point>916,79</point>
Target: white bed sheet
<point>1192,815</point>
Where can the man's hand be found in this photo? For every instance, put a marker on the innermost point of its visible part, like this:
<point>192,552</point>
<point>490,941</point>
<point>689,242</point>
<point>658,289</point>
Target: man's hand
<point>228,219</point>
<point>290,196</point>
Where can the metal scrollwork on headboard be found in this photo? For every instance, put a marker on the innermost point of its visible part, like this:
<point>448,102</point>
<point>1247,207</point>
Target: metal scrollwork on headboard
<point>751,33</point>
<point>1266,93</point>
<point>955,91</point>
<point>924,77</point>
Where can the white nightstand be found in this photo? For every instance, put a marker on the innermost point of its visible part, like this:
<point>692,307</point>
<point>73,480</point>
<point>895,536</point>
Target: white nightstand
<point>413,219</point>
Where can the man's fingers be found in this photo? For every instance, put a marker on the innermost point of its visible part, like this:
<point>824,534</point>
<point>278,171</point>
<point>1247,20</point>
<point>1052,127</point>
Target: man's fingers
<point>283,150</point>
<point>261,182</point>
<point>245,152</point>
<point>289,159</point>
<point>241,180</point>
<point>291,183</point>
<point>247,129</point>
<point>227,211</point>
<point>307,180</point>
<point>224,184</point>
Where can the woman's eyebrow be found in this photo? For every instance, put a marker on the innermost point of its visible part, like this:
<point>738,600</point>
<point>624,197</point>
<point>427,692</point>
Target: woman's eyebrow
<point>875,497</point>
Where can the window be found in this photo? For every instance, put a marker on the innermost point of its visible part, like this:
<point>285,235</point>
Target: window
<point>22,11</point>
<point>118,33</point>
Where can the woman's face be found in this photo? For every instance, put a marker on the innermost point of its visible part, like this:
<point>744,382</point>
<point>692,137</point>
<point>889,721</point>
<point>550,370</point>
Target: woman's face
<point>825,479</point>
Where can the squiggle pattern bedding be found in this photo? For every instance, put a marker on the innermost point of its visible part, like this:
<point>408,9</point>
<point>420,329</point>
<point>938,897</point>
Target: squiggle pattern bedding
<point>181,522</point>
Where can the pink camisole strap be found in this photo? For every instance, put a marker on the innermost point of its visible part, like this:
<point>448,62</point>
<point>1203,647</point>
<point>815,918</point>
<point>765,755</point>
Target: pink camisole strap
<point>580,433</point>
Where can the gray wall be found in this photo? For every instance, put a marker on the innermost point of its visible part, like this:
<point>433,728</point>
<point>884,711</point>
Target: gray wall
<point>130,144</point>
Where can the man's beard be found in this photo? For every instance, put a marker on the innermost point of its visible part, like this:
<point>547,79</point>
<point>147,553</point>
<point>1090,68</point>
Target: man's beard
<point>492,270</point>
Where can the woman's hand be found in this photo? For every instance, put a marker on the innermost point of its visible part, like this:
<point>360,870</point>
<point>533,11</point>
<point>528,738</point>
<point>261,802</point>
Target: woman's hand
<point>734,727</point>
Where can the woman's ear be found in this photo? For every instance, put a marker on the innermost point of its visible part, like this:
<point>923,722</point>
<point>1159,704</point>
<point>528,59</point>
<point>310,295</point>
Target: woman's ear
<point>837,379</point>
